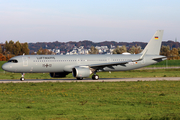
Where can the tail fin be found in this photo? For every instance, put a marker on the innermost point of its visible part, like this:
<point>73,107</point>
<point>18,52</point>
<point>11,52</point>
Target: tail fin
<point>154,45</point>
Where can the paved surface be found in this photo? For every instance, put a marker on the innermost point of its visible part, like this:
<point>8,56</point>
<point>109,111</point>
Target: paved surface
<point>90,80</point>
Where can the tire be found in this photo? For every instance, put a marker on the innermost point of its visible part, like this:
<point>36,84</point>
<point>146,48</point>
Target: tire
<point>22,79</point>
<point>95,77</point>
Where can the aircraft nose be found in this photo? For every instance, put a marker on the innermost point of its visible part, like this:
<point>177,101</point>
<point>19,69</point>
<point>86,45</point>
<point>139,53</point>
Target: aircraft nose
<point>5,67</point>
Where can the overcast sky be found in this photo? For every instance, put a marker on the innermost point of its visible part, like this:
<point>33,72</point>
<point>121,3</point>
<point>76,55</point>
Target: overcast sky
<point>94,20</point>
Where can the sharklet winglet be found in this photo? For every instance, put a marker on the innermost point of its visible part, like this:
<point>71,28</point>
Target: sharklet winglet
<point>142,56</point>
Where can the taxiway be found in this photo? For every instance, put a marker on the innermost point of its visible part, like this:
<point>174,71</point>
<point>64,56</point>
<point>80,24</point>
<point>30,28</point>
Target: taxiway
<point>90,80</point>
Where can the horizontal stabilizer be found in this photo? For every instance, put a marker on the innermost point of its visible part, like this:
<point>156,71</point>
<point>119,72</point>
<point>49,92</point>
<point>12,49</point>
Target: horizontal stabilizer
<point>160,57</point>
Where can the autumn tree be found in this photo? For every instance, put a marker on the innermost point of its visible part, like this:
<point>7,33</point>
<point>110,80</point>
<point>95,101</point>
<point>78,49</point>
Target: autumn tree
<point>14,49</point>
<point>17,48</point>
<point>132,50</point>
<point>2,57</point>
<point>120,50</point>
<point>39,52</point>
<point>42,51</point>
<point>93,50</point>
<point>25,49</point>
<point>179,50</point>
<point>165,50</point>
<point>135,49</point>
<point>0,49</point>
<point>174,54</point>
<point>9,46</point>
<point>138,49</point>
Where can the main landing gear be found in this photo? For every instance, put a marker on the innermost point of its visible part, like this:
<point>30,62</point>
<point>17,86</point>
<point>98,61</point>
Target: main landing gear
<point>22,77</point>
<point>95,77</point>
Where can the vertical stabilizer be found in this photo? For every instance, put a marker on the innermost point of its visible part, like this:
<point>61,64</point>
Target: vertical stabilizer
<point>154,45</point>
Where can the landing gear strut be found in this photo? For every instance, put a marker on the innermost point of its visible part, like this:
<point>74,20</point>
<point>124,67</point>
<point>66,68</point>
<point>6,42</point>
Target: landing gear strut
<point>22,77</point>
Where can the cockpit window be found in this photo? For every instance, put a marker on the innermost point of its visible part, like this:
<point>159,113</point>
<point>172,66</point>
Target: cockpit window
<point>13,61</point>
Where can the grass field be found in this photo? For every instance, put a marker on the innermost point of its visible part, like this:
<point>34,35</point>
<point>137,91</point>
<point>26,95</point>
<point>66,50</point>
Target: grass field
<point>76,100</point>
<point>67,101</point>
<point>1,63</point>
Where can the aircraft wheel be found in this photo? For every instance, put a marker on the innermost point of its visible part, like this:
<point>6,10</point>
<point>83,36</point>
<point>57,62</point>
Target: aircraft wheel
<point>22,79</point>
<point>95,77</point>
<point>79,78</point>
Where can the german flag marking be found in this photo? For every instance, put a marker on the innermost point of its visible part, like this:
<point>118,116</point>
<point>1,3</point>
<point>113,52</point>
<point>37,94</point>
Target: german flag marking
<point>156,37</point>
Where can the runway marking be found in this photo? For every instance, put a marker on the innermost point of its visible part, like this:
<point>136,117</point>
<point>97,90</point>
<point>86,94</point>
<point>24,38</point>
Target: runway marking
<point>90,80</point>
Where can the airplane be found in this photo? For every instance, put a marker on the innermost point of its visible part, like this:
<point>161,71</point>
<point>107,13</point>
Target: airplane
<point>82,66</point>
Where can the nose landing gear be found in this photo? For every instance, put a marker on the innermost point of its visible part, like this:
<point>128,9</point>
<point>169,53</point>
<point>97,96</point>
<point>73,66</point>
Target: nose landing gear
<point>22,77</point>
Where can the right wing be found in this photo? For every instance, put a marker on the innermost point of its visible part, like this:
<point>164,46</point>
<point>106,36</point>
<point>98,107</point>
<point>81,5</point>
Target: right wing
<point>109,64</point>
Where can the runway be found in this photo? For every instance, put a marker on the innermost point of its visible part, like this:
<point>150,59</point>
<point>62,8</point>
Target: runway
<point>90,80</point>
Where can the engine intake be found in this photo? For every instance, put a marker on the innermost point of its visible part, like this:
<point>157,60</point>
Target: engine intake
<point>81,72</point>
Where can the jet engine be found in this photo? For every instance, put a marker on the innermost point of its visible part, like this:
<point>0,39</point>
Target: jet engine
<point>58,74</point>
<point>80,72</point>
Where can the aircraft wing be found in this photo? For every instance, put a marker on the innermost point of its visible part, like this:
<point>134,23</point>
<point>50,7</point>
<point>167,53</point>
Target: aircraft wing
<point>109,64</point>
<point>116,63</point>
<point>97,66</point>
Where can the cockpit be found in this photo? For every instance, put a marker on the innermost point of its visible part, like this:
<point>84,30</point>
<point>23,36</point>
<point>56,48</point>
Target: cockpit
<point>13,61</point>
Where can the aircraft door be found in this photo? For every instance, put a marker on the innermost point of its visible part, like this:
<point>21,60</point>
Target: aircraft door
<point>108,59</point>
<point>78,61</point>
<point>25,61</point>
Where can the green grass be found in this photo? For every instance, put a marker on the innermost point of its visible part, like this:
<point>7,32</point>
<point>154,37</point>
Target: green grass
<point>1,63</point>
<point>67,101</point>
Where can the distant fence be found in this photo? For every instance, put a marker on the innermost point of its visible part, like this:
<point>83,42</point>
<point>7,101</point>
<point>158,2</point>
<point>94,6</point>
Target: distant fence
<point>166,64</point>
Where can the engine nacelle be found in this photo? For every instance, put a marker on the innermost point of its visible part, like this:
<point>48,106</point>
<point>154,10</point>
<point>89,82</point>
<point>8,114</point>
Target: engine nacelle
<point>80,72</point>
<point>58,74</point>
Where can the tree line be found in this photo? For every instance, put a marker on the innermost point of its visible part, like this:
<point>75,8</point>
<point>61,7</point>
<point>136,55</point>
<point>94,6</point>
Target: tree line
<point>171,54</point>
<point>68,46</point>
<point>11,49</point>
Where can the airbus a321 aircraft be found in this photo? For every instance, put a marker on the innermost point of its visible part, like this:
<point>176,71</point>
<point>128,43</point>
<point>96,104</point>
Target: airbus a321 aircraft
<point>82,66</point>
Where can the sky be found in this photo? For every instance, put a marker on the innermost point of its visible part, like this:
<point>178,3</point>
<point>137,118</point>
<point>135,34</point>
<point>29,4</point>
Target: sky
<point>95,20</point>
